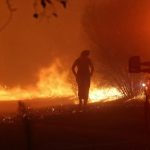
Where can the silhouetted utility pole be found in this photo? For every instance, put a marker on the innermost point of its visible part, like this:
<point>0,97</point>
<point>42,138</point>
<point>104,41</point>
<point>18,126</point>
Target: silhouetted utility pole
<point>25,117</point>
<point>136,66</point>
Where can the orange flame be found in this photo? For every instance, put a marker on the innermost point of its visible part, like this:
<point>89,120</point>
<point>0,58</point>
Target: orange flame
<point>104,94</point>
<point>53,82</point>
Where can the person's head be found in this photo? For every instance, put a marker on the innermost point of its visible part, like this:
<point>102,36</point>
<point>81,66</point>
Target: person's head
<point>85,53</point>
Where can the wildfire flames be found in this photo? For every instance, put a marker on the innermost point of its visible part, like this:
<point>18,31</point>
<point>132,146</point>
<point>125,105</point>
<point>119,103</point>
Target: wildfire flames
<point>53,82</point>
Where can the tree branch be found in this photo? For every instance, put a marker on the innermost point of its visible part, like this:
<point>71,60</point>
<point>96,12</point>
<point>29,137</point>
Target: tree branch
<point>11,11</point>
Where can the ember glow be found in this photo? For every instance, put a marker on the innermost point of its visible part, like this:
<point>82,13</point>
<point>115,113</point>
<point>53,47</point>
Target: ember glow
<point>53,82</point>
<point>104,94</point>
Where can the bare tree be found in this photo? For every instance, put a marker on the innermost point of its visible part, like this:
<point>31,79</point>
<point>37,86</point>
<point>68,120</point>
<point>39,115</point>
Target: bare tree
<point>42,8</point>
<point>11,10</point>
<point>47,8</point>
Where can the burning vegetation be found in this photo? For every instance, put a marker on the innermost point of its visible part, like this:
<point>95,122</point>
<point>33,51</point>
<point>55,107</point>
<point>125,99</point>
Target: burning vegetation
<point>53,82</point>
<point>110,47</point>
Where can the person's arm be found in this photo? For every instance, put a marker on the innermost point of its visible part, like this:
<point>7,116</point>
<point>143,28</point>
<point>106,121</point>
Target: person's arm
<point>74,68</point>
<point>91,68</point>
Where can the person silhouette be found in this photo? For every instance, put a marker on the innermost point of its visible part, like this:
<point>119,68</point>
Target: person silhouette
<point>83,69</point>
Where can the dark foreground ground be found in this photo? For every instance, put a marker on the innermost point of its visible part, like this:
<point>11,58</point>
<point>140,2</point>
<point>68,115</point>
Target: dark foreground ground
<point>102,126</point>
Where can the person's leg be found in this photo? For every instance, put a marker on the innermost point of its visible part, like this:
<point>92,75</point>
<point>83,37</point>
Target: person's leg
<point>80,102</point>
<point>86,91</point>
<point>85,101</point>
<point>80,93</point>
<point>86,96</point>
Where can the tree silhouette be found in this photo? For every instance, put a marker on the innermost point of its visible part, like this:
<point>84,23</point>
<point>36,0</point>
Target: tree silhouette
<point>11,10</point>
<point>42,8</point>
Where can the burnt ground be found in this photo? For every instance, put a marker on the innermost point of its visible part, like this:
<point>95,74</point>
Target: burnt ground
<point>101,126</point>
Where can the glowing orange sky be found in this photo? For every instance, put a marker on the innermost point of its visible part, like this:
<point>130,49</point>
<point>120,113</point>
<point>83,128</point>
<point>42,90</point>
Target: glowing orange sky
<point>28,44</point>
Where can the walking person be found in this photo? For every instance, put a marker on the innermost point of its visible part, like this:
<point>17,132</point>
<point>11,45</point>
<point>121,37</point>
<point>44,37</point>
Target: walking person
<point>83,70</point>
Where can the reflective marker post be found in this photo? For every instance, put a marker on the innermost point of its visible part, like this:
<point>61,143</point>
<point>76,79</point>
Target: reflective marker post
<point>146,109</point>
<point>136,66</point>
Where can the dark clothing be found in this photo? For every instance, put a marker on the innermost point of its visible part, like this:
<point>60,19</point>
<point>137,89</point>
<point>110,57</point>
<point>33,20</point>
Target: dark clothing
<point>83,67</point>
<point>83,76</point>
<point>83,87</point>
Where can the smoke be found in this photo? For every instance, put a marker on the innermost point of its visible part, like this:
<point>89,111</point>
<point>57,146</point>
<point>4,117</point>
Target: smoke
<point>29,45</point>
<point>118,29</point>
<point>120,25</point>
